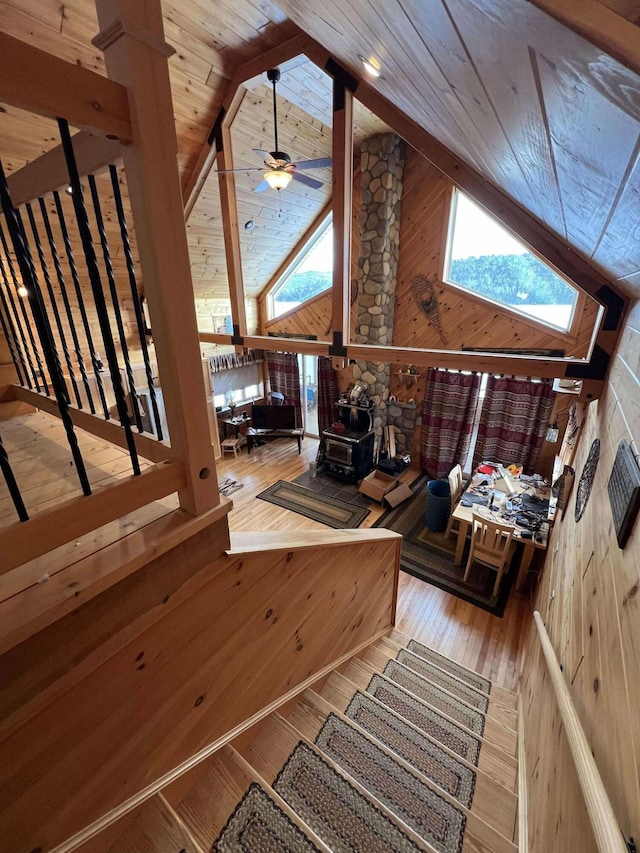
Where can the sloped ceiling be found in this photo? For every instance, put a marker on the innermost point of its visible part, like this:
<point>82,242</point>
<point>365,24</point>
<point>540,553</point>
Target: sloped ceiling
<point>536,109</point>
<point>539,111</point>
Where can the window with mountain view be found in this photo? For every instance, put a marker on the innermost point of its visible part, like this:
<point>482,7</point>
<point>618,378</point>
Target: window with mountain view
<point>310,273</point>
<point>484,258</point>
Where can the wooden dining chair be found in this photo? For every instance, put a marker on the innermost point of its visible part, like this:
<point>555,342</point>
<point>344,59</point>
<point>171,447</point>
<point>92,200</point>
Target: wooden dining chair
<point>491,545</point>
<point>455,488</point>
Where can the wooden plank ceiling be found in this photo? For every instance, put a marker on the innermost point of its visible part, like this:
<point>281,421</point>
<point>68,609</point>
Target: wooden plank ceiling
<point>536,109</point>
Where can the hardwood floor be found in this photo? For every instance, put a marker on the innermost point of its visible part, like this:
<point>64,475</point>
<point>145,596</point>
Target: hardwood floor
<point>37,448</point>
<point>454,627</point>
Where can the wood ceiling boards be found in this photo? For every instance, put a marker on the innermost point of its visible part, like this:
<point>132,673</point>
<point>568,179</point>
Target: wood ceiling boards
<point>540,112</point>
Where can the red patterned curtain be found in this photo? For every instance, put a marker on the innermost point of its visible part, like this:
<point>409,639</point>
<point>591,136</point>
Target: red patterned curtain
<point>450,401</point>
<point>513,421</point>
<point>284,377</point>
<point>327,393</point>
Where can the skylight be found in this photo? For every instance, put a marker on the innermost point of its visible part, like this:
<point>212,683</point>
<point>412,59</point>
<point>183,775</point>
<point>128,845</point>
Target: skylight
<point>484,258</point>
<point>311,273</point>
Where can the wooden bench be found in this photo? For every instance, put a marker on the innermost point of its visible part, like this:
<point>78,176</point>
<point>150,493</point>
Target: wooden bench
<point>256,436</point>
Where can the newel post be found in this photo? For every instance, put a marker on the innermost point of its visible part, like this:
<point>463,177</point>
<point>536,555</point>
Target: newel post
<point>132,39</point>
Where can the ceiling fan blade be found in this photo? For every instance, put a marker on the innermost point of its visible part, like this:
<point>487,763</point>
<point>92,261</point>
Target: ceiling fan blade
<point>306,180</point>
<point>252,169</point>
<point>320,163</point>
<point>262,186</point>
<point>264,155</point>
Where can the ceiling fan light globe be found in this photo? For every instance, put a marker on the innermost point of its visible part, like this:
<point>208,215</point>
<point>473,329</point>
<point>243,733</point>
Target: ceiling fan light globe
<point>277,179</point>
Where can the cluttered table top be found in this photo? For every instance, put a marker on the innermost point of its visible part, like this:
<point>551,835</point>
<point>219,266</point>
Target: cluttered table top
<point>522,502</point>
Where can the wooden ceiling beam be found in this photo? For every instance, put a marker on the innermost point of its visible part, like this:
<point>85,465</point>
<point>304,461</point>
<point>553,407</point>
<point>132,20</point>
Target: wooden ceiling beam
<point>342,202</point>
<point>229,209</point>
<point>455,360</point>
<point>49,171</point>
<point>205,160</point>
<point>600,25</point>
<point>39,82</point>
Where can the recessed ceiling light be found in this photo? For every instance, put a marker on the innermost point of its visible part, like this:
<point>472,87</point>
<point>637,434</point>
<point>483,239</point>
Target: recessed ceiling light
<point>372,65</point>
<point>249,225</point>
<point>22,291</point>
<point>69,190</point>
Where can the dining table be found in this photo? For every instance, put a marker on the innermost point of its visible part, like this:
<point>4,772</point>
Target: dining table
<point>523,503</point>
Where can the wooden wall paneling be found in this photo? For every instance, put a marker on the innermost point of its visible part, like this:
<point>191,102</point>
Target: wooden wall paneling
<point>595,629</point>
<point>466,320</point>
<point>178,696</point>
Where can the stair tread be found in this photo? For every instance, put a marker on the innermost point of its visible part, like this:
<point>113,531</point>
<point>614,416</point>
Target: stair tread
<point>278,737</point>
<point>210,806</point>
<point>459,707</point>
<point>493,802</point>
<point>156,829</point>
<point>451,665</point>
<point>418,801</point>
<point>489,757</point>
<point>506,699</point>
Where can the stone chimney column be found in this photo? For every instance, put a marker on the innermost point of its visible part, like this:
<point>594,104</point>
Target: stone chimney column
<point>381,170</point>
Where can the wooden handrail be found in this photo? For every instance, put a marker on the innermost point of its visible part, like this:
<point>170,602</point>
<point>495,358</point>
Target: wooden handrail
<point>606,829</point>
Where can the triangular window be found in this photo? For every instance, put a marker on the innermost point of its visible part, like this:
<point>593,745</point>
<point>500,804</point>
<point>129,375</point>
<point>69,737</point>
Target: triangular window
<point>309,274</point>
<point>487,260</point>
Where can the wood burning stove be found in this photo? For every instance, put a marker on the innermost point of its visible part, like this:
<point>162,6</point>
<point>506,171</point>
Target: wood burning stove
<point>346,449</point>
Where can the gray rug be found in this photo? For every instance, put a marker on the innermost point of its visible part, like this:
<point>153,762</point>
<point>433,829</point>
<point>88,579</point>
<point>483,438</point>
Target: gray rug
<point>468,675</point>
<point>433,818</point>
<point>259,824</point>
<point>427,719</point>
<point>333,488</point>
<point>338,813</point>
<point>311,504</point>
<point>427,757</point>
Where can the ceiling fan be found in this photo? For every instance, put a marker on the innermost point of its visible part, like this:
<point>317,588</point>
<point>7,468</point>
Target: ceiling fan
<point>278,169</point>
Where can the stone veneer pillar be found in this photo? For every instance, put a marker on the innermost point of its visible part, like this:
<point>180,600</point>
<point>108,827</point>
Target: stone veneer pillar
<point>381,174</point>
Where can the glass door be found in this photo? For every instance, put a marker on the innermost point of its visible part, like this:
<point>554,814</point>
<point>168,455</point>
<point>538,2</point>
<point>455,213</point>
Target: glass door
<point>309,393</point>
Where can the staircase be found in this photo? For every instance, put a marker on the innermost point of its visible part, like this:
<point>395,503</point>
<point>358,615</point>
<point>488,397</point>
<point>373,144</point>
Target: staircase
<point>401,749</point>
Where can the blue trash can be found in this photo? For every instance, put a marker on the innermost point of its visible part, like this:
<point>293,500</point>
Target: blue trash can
<point>438,505</point>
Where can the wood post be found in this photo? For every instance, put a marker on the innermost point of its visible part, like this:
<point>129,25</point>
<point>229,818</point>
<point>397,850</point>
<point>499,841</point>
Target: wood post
<point>132,38</point>
<point>342,171</point>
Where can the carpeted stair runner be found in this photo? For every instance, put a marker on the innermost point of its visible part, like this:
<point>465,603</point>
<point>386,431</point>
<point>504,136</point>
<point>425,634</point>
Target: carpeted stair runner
<point>375,762</point>
<point>435,763</point>
<point>435,696</point>
<point>335,809</point>
<point>450,666</point>
<point>259,824</point>
<point>419,806</point>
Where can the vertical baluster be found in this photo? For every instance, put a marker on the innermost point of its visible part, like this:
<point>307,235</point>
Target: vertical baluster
<point>38,373</point>
<point>83,311</point>
<point>67,306</point>
<point>36,303</point>
<point>137,307</point>
<point>52,299</point>
<point>106,253</point>
<point>96,288</point>
<point>9,332</point>
<point>12,485</point>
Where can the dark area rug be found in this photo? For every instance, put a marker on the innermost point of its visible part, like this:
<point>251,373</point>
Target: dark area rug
<point>333,488</point>
<point>315,505</point>
<point>430,556</point>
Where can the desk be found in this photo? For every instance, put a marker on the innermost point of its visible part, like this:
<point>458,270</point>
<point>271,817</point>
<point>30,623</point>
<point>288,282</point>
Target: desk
<point>464,516</point>
<point>257,436</point>
<point>235,423</point>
